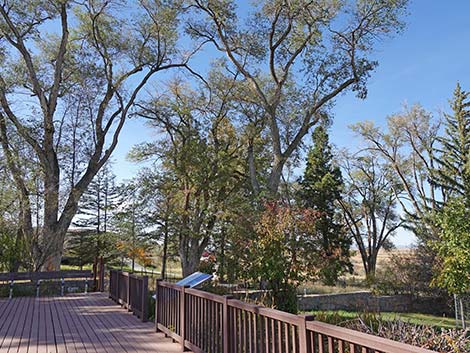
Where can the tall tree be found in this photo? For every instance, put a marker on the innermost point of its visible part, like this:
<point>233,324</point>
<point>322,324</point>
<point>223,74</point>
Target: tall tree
<point>55,50</point>
<point>369,206</point>
<point>452,171</point>
<point>320,189</point>
<point>200,154</point>
<point>98,204</point>
<point>452,272</point>
<point>99,201</point>
<point>294,58</point>
<point>407,147</point>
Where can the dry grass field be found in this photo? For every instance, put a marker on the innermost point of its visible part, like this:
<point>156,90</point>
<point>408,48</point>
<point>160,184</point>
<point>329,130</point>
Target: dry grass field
<point>383,258</point>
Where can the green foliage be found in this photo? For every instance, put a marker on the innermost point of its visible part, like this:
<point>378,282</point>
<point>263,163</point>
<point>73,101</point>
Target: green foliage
<point>453,159</point>
<point>320,189</point>
<point>199,166</point>
<point>285,250</point>
<point>293,59</point>
<point>453,248</point>
<point>12,247</point>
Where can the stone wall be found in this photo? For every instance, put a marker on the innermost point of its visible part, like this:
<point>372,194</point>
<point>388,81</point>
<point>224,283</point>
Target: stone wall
<point>366,301</point>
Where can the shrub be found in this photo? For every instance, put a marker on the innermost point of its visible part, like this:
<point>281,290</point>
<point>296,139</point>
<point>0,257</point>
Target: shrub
<point>433,338</point>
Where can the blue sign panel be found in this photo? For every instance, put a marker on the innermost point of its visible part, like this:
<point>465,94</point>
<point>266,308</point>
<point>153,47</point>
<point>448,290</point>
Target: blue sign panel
<point>194,280</point>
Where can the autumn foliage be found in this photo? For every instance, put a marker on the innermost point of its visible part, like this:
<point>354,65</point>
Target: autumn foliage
<point>286,250</point>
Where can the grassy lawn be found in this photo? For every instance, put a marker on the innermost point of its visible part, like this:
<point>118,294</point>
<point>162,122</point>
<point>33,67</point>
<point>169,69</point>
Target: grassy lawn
<point>414,318</point>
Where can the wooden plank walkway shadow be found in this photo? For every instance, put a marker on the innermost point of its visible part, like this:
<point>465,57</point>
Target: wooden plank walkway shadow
<point>82,323</point>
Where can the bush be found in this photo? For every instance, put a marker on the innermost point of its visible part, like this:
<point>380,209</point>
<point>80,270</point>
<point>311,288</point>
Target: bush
<point>429,337</point>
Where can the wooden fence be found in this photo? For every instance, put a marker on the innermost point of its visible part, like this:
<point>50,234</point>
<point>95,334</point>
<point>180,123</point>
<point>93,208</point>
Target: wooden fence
<point>209,323</point>
<point>130,291</point>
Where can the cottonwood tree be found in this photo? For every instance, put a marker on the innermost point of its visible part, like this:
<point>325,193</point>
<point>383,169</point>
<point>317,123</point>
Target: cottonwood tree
<point>200,156</point>
<point>408,148</point>
<point>369,206</point>
<point>54,51</point>
<point>295,57</point>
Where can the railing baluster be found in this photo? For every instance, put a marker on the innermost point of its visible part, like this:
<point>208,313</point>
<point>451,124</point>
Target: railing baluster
<point>207,323</point>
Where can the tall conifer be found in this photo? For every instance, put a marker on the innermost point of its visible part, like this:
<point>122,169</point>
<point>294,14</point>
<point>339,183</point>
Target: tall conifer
<point>320,189</point>
<point>453,154</point>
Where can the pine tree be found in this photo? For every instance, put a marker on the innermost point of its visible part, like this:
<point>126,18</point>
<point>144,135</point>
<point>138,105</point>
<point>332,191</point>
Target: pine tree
<point>453,155</point>
<point>96,207</point>
<point>321,189</point>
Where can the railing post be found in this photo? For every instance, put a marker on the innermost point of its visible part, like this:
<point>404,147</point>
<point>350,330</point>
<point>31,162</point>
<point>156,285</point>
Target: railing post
<point>144,307</point>
<point>111,280</point>
<point>156,303</point>
<point>101,279</point>
<point>225,325</point>
<point>11,289</point>
<point>183,316</point>
<point>128,291</point>
<point>118,277</point>
<point>62,286</point>
<point>303,334</point>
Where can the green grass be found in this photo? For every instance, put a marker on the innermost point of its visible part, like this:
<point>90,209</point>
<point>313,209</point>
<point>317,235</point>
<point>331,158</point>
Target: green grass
<point>414,318</point>
<point>317,288</point>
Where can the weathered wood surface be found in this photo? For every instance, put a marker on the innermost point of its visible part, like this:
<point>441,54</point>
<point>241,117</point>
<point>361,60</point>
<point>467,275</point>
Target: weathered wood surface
<point>131,291</point>
<point>34,276</point>
<point>208,323</point>
<point>75,324</point>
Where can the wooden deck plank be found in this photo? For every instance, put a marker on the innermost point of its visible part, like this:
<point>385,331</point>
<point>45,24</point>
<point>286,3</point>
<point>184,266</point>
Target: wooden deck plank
<point>79,331</point>
<point>25,335</point>
<point>143,332</point>
<point>16,328</point>
<point>7,321</point>
<point>61,330</point>
<point>57,327</point>
<point>42,335</point>
<point>73,340</point>
<point>3,305</point>
<point>51,336</point>
<point>78,323</point>
<point>34,335</point>
<point>80,312</point>
<point>105,336</point>
<point>120,328</point>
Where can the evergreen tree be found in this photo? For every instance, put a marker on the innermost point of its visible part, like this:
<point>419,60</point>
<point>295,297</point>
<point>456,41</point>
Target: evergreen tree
<point>453,158</point>
<point>96,207</point>
<point>320,189</point>
<point>79,245</point>
<point>99,201</point>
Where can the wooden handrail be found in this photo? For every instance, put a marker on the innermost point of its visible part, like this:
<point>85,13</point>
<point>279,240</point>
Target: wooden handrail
<point>131,291</point>
<point>205,323</point>
<point>37,277</point>
<point>34,276</point>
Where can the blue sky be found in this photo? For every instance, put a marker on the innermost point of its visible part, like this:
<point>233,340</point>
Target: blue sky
<point>421,65</point>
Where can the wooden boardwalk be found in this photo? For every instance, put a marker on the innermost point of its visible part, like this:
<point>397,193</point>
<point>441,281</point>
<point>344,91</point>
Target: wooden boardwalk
<point>80,323</point>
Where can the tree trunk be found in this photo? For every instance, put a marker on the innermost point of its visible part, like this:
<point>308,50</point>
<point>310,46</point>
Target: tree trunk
<point>190,255</point>
<point>275,176</point>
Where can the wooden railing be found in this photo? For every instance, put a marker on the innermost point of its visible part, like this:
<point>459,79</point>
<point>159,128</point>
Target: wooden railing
<point>21,278</point>
<point>209,323</point>
<point>130,291</point>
